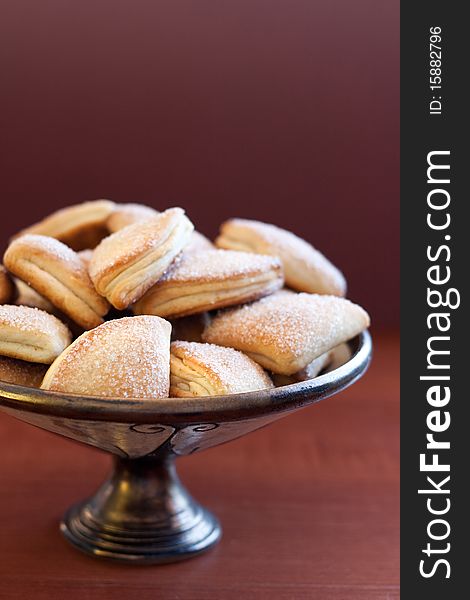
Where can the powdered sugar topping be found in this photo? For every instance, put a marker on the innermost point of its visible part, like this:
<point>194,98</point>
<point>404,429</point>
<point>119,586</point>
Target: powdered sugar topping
<point>290,323</point>
<point>134,240</point>
<point>126,358</point>
<point>31,320</point>
<point>226,366</point>
<point>209,265</point>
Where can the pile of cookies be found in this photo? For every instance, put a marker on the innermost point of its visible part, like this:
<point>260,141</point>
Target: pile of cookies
<point>123,301</point>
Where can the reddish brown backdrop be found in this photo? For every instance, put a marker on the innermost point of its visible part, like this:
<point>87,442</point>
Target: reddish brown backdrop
<point>281,110</point>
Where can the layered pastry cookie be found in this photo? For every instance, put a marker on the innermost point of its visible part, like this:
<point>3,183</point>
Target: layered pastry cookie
<point>20,372</point>
<point>80,226</point>
<point>286,332</point>
<point>128,214</point>
<point>305,268</point>
<point>57,273</point>
<point>211,279</point>
<point>8,289</point>
<point>127,263</point>
<point>124,358</point>
<point>209,370</point>
<point>31,334</point>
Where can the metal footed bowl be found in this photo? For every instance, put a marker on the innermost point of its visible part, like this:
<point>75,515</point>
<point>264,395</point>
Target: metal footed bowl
<point>142,513</point>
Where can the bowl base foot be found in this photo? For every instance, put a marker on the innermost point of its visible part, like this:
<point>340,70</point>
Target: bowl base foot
<point>142,515</point>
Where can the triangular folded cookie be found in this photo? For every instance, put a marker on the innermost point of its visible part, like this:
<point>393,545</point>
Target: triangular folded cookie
<point>210,370</point>
<point>285,332</point>
<point>124,358</point>
<point>127,263</point>
<point>211,279</point>
<point>305,268</point>
<point>31,334</point>
<point>57,273</point>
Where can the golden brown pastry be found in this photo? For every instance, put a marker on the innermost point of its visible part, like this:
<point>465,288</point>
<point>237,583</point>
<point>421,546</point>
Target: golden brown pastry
<point>127,263</point>
<point>285,332</point>
<point>57,273</point>
<point>128,214</point>
<point>79,226</point>
<point>190,328</point>
<point>211,279</point>
<point>124,358</point>
<point>31,334</point>
<point>209,370</point>
<point>8,291</point>
<point>20,372</point>
<point>305,268</point>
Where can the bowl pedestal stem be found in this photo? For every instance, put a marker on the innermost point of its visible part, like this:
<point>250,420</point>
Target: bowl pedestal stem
<point>141,514</point>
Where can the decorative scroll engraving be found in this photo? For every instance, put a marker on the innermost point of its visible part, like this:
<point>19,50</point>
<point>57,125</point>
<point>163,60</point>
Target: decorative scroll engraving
<point>119,438</point>
<point>199,437</point>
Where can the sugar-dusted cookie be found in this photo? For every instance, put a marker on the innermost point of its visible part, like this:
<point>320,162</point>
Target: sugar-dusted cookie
<point>31,334</point>
<point>127,263</point>
<point>211,279</point>
<point>285,332</point>
<point>305,268</point>
<point>209,370</point>
<point>124,358</point>
<point>57,273</point>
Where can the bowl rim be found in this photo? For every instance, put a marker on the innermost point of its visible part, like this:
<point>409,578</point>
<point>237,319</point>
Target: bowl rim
<point>232,407</point>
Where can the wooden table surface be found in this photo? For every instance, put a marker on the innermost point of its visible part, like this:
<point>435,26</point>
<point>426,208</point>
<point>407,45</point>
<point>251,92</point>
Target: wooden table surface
<point>309,507</point>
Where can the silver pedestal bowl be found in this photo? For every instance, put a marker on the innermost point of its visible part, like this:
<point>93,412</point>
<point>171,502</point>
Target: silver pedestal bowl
<point>142,513</point>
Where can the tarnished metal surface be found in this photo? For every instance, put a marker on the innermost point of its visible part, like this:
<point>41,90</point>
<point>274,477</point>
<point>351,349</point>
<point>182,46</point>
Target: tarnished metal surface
<point>142,513</point>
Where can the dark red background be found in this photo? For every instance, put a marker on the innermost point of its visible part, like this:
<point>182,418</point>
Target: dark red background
<point>282,110</point>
